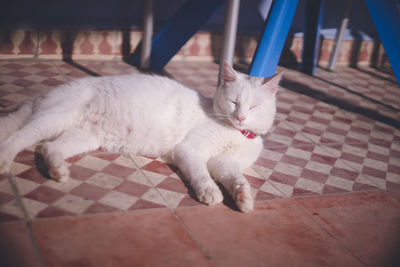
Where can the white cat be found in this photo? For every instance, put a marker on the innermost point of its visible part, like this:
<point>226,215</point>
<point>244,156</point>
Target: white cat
<point>154,116</point>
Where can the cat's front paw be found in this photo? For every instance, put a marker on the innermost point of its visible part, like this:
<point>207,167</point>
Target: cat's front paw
<point>243,198</point>
<point>210,194</point>
<point>59,172</point>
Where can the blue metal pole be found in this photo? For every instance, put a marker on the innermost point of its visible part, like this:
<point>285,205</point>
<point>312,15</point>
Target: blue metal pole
<point>386,16</point>
<point>314,10</point>
<point>271,44</point>
<point>177,31</point>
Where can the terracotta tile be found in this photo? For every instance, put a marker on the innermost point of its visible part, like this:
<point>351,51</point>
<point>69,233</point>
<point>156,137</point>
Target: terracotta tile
<point>395,194</point>
<point>254,181</point>
<point>118,170</point>
<point>80,173</point>
<point>45,194</point>
<point>366,223</point>
<point>173,184</point>
<point>283,178</point>
<point>189,201</point>
<point>143,204</point>
<point>16,247</point>
<point>105,155</point>
<point>328,189</point>
<point>142,238</point>
<point>158,167</point>
<point>299,192</point>
<point>343,173</point>
<point>99,208</point>
<point>261,195</point>
<point>52,211</point>
<point>276,233</point>
<point>33,174</point>
<point>374,172</point>
<point>314,175</point>
<point>4,198</point>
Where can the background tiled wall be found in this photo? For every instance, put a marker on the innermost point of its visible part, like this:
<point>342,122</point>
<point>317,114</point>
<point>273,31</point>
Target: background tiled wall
<point>203,46</point>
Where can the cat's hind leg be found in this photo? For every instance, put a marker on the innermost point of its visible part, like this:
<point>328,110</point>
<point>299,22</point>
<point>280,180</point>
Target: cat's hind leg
<point>225,170</point>
<point>11,122</point>
<point>39,127</point>
<point>71,142</point>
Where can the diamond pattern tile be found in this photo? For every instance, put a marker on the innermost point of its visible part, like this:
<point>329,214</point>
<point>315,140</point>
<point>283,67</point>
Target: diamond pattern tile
<point>10,210</point>
<point>334,133</point>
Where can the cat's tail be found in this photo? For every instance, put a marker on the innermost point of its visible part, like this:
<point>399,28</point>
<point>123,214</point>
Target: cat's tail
<point>14,120</point>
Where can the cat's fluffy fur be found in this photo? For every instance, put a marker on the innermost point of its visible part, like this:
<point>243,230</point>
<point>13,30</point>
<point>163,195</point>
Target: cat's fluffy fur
<point>151,116</point>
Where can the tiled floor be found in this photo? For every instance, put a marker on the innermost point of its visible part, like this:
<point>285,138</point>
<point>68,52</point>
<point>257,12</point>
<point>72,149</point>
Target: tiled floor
<point>327,185</point>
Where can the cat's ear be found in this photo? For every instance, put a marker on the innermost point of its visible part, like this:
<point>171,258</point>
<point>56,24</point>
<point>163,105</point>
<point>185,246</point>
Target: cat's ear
<point>228,73</point>
<point>271,84</point>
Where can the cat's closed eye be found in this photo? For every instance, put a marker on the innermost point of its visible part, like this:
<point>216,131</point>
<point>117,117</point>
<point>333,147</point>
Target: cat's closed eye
<point>233,102</point>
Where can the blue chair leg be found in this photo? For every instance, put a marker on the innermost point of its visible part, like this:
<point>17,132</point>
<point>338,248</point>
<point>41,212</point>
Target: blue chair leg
<point>177,31</point>
<point>386,16</point>
<point>270,47</point>
<point>313,18</point>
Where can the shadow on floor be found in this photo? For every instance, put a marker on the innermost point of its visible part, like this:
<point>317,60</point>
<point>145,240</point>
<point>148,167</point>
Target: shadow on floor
<point>357,94</point>
<point>340,103</point>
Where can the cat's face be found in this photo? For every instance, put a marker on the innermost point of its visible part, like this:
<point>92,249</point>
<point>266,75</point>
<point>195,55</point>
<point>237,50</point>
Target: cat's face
<point>248,103</point>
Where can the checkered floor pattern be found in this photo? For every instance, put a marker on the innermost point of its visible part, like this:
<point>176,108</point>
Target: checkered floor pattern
<point>334,133</point>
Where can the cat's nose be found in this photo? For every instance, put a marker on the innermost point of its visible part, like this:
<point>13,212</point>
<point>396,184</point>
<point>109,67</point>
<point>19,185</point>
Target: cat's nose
<point>240,118</point>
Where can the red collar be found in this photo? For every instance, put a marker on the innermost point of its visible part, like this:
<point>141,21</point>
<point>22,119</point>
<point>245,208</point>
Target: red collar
<point>248,134</point>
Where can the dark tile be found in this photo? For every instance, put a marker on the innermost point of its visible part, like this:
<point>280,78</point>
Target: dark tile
<point>45,194</point>
<point>80,173</point>
<point>118,170</point>
<point>158,167</point>
<point>132,188</point>
<point>99,208</point>
<point>144,204</point>
<point>173,184</point>
<point>52,212</point>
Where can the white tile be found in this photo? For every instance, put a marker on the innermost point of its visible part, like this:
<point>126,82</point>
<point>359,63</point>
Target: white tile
<point>73,204</point>
<point>340,182</point>
<point>376,164</point>
<point>12,208</point>
<point>139,177</point>
<point>105,180</point>
<point>33,207</point>
<point>318,167</point>
<point>25,186</point>
<point>375,182</point>
<point>309,185</point>
<point>118,200</point>
<point>172,198</point>
<point>5,187</point>
<point>18,168</point>
<point>270,188</point>
<point>93,163</point>
<point>287,190</point>
<point>155,178</point>
<point>288,169</point>
<point>64,186</point>
<point>153,196</point>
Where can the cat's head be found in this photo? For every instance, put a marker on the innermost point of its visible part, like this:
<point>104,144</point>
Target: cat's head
<point>246,102</point>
